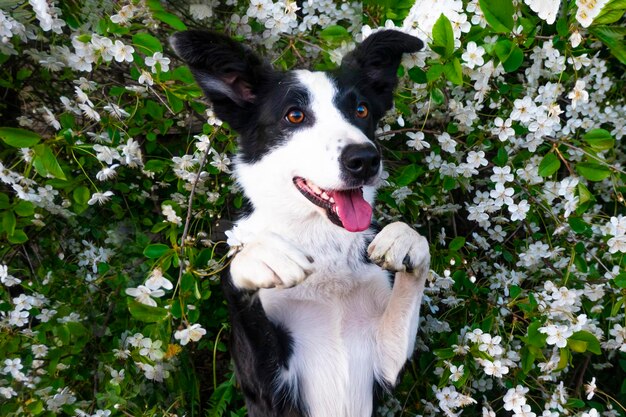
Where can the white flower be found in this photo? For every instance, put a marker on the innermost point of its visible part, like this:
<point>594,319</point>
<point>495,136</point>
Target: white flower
<point>456,373</point>
<point>476,159</point>
<point>502,195</point>
<point>157,280</point>
<point>588,10</point>
<point>495,368</point>
<point>447,143</point>
<point>8,392</point>
<point>575,39</point>
<point>400,194</point>
<point>221,162</point>
<point>503,129</point>
<point>578,94</point>
<point>144,295</point>
<point>192,333</point>
<point>6,278</point>
<point>170,214</point>
<point>417,141</point>
<point>106,154</point>
<point>515,398</point>
<point>125,14</point>
<point>617,244</point>
<point>100,198</point>
<point>121,52</point>
<point>545,9</point>
<point>590,388</point>
<point>107,173</point>
<point>145,78</point>
<point>158,58</point>
<point>502,174</point>
<point>89,112</point>
<point>116,111</point>
<point>50,119</point>
<point>151,349</point>
<point>473,56</point>
<point>200,11</point>
<point>117,376</point>
<point>518,211</point>
<point>557,334</point>
<point>13,367</point>
<point>40,351</point>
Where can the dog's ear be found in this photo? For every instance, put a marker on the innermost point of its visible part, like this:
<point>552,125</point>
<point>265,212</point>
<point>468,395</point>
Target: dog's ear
<point>377,59</point>
<point>228,72</point>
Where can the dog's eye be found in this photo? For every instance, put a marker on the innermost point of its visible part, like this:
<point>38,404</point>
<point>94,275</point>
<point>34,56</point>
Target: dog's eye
<point>362,111</point>
<point>295,116</point>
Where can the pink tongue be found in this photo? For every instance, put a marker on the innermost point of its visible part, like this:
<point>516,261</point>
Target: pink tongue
<point>355,213</point>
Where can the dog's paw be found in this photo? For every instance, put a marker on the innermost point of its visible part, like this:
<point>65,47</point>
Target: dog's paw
<point>269,262</point>
<point>399,248</point>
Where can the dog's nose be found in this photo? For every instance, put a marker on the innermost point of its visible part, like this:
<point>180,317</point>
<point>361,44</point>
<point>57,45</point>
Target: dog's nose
<point>360,161</point>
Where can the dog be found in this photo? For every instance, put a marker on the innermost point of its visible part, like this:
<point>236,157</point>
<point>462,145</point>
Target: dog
<point>324,309</point>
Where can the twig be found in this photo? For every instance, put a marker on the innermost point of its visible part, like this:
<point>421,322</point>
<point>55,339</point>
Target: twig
<point>189,207</point>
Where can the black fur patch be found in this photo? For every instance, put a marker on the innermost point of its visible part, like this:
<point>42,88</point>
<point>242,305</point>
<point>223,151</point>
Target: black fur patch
<point>260,350</point>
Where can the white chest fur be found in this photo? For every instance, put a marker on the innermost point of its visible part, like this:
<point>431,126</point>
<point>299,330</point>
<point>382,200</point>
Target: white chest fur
<point>333,338</point>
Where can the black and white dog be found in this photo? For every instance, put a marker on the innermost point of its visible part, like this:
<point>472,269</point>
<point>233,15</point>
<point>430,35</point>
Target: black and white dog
<point>318,326</point>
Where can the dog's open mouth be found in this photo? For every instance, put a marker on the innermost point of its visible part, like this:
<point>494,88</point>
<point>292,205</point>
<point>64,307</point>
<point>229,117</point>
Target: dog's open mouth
<point>345,208</point>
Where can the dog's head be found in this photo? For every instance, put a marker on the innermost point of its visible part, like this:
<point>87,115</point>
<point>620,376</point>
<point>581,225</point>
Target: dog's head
<point>307,145</point>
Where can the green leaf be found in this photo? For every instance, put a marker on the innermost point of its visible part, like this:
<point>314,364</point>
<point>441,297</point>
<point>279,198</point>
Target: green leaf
<point>9,221</point>
<point>169,19</point>
<point>593,171</point>
<point>187,282</point>
<point>578,225</point>
<point>499,14</point>
<point>444,353</point>
<point>4,201</point>
<point>456,243</point>
<point>528,360</point>
<point>49,162</point>
<point>509,54</point>
<point>24,208</point>
<point>613,38</point>
<point>418,75</point>
<point>334,33</point>
<point>146,313</point>
<point>453,71</point>
<point>443,37</point>
<point>599,139</point>
<point>147,43</point>
<point>549,165</point>
<point>611,12</point>
<point>437,96</point>
<point>19,138</point>
<point>434,72</point>
<point>18,237</point>
<point>620,280</point>
<point>535,338</point>
<point>611,16</point>
<point>583,341</point>
<point>583,193</point>
<point>81,195</point>
<point>501,158</point>
<point>407,175</point>
<point>156,250</point>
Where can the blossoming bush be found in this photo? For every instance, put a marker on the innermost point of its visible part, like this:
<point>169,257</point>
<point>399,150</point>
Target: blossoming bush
<point>504,148</point>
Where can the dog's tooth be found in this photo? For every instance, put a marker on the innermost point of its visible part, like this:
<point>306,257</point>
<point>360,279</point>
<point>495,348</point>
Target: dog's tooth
<point>314,188</point>
<point>332,200</point>
<point>325,196</point>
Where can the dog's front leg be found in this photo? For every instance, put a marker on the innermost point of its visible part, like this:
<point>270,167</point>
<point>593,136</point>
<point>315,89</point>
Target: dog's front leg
<point>400,249</point>
<point>270,261</point>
